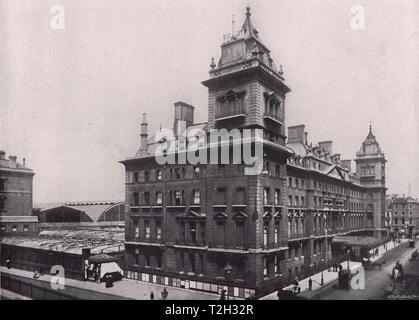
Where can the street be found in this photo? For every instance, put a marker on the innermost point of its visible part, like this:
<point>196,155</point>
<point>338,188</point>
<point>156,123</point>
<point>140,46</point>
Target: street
<point>378,281</point>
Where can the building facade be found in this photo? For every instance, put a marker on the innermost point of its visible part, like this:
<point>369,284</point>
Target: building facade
<point>404,213</point>
<point>16,197</point>
<point>211,226</point>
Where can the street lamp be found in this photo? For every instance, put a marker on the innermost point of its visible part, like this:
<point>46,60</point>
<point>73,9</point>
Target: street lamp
<point>227,272</point>
<point>349,251</point>
<point>322,280</point>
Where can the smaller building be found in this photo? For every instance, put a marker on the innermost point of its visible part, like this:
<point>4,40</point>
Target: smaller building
<point>68,248</point>
<point>404,213</point>
<point>79,215</point>
<point>16,197</point>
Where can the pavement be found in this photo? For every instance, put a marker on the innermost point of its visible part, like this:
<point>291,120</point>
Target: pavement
<point>124,289</point>
<point>330,277</point>
<point>378,282</point>
<point>9,295</point>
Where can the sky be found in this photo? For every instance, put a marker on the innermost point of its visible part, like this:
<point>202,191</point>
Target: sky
<point>71,100</point>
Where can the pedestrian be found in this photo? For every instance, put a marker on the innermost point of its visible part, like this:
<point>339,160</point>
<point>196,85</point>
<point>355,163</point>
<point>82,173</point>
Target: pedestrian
<point>164,294</point>
<point>223,295</point>
<point>310,284</point>
<point>296,285</point>
<point>109,283</point>
<point>152,295</point>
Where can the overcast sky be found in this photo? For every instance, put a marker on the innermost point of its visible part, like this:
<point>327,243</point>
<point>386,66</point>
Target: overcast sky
<point>71,100</point>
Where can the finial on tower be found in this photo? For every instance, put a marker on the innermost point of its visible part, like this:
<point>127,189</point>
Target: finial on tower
<point>212,65</point>
<point>281,70</point>
<point>248,14</point>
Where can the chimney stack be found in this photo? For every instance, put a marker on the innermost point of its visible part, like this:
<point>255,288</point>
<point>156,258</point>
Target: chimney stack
<point>24,161</point>
<point>12,162</point>
<point>183,113</point>
<point>144,133</point>
<point>297,134</point>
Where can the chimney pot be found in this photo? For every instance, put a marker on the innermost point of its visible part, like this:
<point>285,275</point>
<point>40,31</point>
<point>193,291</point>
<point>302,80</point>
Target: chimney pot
<point>12,161</point>
<point>144,133</point>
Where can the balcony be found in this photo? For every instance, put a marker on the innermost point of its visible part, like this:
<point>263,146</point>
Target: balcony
<point>272,116</point>
<point>230,111</point>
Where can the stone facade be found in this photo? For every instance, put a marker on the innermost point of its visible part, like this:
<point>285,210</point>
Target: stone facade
<point>16,197</point>
<point>404,213</point>
<point>212,227</point>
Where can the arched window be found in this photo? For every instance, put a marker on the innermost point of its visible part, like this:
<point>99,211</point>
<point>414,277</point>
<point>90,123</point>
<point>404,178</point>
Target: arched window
<point>276,235</point>
<point>289,228</point>
<point>265,267</point>
<point>265,236</point>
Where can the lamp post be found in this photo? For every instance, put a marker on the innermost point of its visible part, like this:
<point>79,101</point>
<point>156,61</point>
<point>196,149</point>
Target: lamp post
<point>322,280</point>
<point>227,272</point>
<point>349,251</point>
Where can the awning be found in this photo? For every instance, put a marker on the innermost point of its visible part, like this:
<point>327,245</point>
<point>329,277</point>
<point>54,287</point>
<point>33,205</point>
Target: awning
<point>102,258</point>
<point>109,267</point>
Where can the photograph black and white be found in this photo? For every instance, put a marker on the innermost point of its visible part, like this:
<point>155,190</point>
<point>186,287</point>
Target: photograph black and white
<point>209,150</point>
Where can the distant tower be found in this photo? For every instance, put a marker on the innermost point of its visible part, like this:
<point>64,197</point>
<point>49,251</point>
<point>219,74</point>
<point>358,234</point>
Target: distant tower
<point>370,169</point>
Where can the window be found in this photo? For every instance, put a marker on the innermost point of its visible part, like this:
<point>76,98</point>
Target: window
<point>177,173</point>
<point>137,256</point>
<point>159,175</point>
<point>289,201</point>
<point>159,198</point>
<point>296,201</point>
<point>135,197</point>
<point>196,197</point>
<point>266,196</point>
<point>202,263</point>
<point>136,229</point>
<point>158,229</point>
<point>302,201</point>
<point>182,231</point>
<point>179,198</point>
<point>220,232</point>
<point>289,228</point>
<point>147,230</point>
<point>192,261</point>
<point>146,176</point>
<point>192,231</point>
<point>25,228</point>
<point>239,233</point>
<point>135,176</point>
<point>290,182</point>
<point>158,258</point>
<point>202,228</point>
<point>196,172</point>
<point>277,197</point>
<point>14,228</point>
<point>240,195</point>
<point>3,228</point>
<point>146,260</point>
<point>265,236</point>
<point>265,267</point>
<point>276,235</point>
<point>220,195</point>
<point>147,198</point>
<point>297,183</point>
<point>278,171</point>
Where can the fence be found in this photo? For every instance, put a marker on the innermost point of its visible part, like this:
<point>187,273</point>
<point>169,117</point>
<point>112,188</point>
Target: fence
<point>32,289</point>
